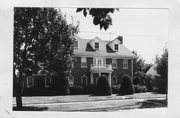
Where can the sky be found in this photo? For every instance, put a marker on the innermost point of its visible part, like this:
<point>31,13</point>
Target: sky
<point>143,30</point>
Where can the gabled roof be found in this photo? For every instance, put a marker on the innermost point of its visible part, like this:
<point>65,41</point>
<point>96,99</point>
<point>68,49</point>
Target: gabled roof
<point>104,50</point>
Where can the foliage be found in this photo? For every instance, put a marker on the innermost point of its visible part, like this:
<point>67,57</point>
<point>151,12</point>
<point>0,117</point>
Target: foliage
<point>100,16</point>
<point>76,90</point>
<point>41,35</point>
<point>126,86</point>
<point>162,70</point>
<point>103,87</point>
<point>139,88</point>
<point>115,89</point>
<point>139,64</point>
<point>89,89</point>
<point>149,83</point>
<point>137,80</point>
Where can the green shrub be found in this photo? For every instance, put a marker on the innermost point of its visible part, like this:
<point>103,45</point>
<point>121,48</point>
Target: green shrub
<point>89,89</point>
<point>103,87</point>
<point>126,86</point>
<point>76,90</point>
<point>63,86</point>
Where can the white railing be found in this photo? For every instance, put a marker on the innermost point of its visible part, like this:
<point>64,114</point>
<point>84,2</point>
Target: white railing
<point>101,66</point>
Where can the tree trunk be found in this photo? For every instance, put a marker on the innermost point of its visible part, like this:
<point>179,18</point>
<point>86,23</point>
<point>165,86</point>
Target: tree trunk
<point>18,93</point>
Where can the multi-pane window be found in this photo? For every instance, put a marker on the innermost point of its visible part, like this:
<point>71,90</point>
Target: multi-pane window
<point>125,64</point>
<point>76,44</point>
<point>30,82</point>
<point>83,80</point>
<point>83,62</point>
<point>71,80</point>
<point>96,45</point>
<point>114,63</point>
<point>114,80</point>
<point>47,81</point>
<point>116,47</point>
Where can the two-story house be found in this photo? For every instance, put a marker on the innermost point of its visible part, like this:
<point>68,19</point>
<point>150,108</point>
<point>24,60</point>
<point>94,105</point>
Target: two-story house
<point>95,57</point>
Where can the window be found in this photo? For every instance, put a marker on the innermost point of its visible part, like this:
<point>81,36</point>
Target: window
<point>114,63</point>
<point>30,82</point>
<point>114,80</point>
<point>99,61</point>
<point>97,46</point>
<point>125,64</point>
<point>84,80</point>
<point>83,62</point>
<point>71,80</point>
<point>76,44</point>
<point>47,81</point>
<point>116,47</point>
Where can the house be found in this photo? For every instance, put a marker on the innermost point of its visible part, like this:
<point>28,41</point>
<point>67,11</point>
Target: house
<point>152,71</point>
<point>94,57</point>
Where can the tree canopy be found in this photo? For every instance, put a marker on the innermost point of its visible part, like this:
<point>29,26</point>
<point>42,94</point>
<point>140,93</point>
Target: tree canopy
<point>100,16</point>
<point>41,35</point>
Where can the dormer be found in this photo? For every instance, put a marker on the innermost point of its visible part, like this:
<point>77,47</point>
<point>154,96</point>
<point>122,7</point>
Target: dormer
<point>115,44</point>
<point>95,43</point>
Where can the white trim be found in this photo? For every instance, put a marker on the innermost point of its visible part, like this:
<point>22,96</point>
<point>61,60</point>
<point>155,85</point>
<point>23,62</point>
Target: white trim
<point>71,79</point>
<point>116,63</point>
<point>114,76</point>
<point>84,62</point>
<point>28,86</point>
<point>86,81</point>
<point>125,60</point>
<point>46,82</point>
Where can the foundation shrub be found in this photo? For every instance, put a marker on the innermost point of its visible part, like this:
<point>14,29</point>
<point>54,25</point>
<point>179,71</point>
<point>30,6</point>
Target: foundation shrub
<point>126,86</point>
<point>103,88</point>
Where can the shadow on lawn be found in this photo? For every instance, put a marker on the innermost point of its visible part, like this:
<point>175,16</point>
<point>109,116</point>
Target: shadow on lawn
<point>153,103</point>
<point>30,108</point>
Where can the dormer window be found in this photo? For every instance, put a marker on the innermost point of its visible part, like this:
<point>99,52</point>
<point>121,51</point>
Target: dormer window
<point>76,44</point>
<point>116,47</point>
<point>96,46</point>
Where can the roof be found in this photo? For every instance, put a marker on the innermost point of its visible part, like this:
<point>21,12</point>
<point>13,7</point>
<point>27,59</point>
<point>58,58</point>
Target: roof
<point>152,71</point>
<point>103,51</point>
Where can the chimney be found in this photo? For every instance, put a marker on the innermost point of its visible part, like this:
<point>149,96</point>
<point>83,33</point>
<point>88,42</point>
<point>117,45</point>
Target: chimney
<point>120,38</point>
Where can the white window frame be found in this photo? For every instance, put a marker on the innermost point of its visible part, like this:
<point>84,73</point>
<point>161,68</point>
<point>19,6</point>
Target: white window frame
<point>116,79</point>
<point>76,46</point>
<point>125,62</point>
<point>29,86</point>
<point>114,47</point>
<point>95,45</point>
<point>46,82</point>
<point>82,66</point>
<point>115,63</point>
<point>103,60</point>
<point>71,79</point>
<point>86,81</point>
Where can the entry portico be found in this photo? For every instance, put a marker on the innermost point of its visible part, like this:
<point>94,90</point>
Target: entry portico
<point>105,69</point>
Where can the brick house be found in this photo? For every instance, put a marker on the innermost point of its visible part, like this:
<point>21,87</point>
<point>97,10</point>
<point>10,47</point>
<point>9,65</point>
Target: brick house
<point>95,57</point>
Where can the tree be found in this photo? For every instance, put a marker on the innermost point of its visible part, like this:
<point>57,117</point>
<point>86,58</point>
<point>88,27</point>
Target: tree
<point>139,64</point>
<point>100,16</point>
<point>41,35</point>
<point>162,69</point>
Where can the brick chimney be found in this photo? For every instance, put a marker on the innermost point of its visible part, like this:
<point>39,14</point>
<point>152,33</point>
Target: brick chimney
<point>120,39</point>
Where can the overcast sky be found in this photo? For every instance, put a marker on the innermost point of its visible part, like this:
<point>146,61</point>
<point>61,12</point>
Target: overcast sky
<point>143,30</point>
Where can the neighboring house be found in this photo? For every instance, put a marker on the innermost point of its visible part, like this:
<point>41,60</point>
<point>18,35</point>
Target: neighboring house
<point>97,57</point>
<point>152,71</point>
<point>94,57</point>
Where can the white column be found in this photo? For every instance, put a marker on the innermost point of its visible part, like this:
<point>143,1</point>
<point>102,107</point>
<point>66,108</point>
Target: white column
<point>91,78</point>
<point>132,69</point>
<point>109,78</point>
